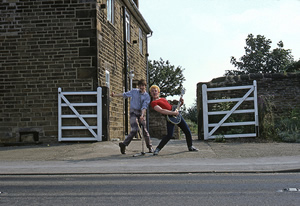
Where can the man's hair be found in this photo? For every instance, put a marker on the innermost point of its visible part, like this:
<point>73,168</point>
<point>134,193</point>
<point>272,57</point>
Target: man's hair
<point>142,82</point>
<point>154,87</point>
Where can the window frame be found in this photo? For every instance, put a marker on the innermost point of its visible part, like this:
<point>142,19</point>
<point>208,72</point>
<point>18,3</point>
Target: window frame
<point>141,41</point>
<point>127,20</point>
<point>111,11</point>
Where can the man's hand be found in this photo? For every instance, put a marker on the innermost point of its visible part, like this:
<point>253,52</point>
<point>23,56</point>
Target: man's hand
<point>142,117</point>
<point>176,112</point>
<point>182,101</point>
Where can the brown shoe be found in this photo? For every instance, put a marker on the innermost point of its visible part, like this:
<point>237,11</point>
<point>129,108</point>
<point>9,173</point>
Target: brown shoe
<point>122,147</point>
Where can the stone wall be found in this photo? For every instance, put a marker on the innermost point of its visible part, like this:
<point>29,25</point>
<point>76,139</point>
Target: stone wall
<point>282,89</point>
<point>158,125</point>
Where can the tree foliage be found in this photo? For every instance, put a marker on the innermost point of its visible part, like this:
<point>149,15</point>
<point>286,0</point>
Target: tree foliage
<point>259,58</point>
<point>190,113</point>
<point>293,67</point>
<point>168,77</point>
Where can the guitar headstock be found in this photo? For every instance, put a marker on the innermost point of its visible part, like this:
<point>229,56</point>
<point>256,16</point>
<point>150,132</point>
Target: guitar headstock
<point>182,92</point>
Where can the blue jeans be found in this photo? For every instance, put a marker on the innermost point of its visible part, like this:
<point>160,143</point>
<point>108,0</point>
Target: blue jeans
<point>170,129</point>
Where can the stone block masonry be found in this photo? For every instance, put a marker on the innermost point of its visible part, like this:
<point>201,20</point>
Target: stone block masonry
<point>158,124</point>
<point>69,44</point>
<point>43,45</point>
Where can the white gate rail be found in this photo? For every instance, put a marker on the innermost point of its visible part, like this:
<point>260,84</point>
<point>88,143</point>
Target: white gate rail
<point>96,136</point>
<point>208,134</point>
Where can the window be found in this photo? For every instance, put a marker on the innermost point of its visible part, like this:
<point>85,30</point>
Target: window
<point>110,11</point>
<point>141,40</point>
<point>127,26</point>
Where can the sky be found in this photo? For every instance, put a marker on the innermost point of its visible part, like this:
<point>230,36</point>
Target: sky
<point>202,35</point>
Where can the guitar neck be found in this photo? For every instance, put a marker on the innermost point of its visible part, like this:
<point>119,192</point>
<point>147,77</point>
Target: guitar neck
<point>178,105</point>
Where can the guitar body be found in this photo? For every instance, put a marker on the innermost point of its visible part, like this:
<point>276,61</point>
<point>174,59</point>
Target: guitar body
<point>174,119</point>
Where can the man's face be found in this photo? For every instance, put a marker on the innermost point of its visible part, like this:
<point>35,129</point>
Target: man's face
<point>154,93</point>
<point>142,88</point>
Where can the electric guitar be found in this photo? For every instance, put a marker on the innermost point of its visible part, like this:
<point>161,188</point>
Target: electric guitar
<point>176,119</point>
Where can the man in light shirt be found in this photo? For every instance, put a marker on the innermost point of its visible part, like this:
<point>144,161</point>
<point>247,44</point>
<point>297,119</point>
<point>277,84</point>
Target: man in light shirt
<point>139,102</point>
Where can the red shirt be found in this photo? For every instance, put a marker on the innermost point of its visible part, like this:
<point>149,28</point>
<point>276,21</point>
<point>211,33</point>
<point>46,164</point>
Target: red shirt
<point>163,103</point>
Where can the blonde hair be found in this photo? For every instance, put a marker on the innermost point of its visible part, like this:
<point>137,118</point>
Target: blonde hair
<point>155,87</point>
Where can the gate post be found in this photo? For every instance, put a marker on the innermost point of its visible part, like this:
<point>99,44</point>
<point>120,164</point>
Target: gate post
<point>200,113</point>
<point>99,113</point>
<point>205,111</point>
<point>105,114</point>
<point>59,115</point>
<point>256,109</point>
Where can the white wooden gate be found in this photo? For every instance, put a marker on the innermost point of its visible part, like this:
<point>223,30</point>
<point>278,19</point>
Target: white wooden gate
<point>64,102</point>
<point>209,133</point>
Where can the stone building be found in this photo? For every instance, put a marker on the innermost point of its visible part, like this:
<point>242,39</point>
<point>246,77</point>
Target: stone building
<point>77,45</point>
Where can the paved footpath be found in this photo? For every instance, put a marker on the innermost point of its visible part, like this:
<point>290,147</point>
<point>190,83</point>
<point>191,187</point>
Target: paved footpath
<point>105,158</point>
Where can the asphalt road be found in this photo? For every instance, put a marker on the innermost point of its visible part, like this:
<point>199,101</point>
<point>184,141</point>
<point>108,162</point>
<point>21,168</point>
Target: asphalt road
<point>151,189</point>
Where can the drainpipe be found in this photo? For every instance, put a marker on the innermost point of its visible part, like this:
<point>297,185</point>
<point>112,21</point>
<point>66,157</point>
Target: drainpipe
<point>125,68</point>
<point>147,68</point>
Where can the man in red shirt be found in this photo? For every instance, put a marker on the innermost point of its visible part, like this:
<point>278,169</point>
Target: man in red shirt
<point>162,106</point>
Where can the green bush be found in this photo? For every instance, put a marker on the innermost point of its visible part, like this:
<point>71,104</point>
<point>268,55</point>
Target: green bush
<point>267,118</point>
<point>193,127</point>
<point>288,128</point>
<point>284,128</point>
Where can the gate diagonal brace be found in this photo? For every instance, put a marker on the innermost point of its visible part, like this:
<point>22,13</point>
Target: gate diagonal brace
<point>231,111</point>
<point>78,115</point>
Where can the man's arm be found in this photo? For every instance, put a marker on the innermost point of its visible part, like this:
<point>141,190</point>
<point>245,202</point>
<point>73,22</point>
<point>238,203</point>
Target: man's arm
<point>142,117</point>
<point>145,105</point>
<point>116,95</point>
<point>146,102</point>
<point>165,111</point>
